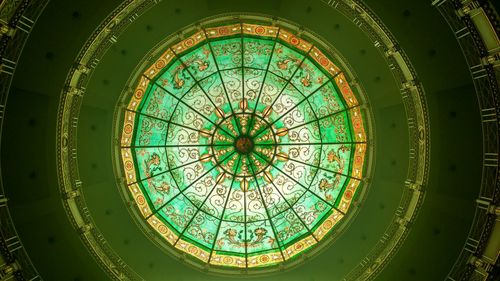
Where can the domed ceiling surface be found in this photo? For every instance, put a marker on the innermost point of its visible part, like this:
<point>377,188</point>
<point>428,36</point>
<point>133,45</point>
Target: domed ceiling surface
<point>94,54</point>
<point>436,235</point>
<point>243,145</point>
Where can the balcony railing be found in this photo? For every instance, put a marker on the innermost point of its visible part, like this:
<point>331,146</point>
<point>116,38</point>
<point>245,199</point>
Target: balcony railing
<point>475,25</point>
<point>16,20</point>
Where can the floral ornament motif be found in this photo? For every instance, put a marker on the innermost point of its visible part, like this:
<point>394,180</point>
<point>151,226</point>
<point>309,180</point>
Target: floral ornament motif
<point>254,238</point>
<point>231,236</point>
<point>283,64</point>
<point>260,233</point>
<point>200,65</point>
<point>230,157</point>
<point>152,165</point>
<point>164,187</point>
<point>324,185</point>
<point>178,82</point>
<point>334,157</point>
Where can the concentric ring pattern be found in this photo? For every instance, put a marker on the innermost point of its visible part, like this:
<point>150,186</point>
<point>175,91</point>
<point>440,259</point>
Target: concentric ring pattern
<point>243,145</point>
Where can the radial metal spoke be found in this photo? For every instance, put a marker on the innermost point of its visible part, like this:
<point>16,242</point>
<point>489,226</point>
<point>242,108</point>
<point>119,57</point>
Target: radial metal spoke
<point>187,187</point>
<point>199,209</point>
<point>320,168</point>
<point>324,117</point>
<point>242,70</point>
<point>303,186</point>
<point>266,208</point>
<point>173,169</point>
<point>290,206</point>
<point>220,76</point>
<point>168,122</point>
<point>224,209</point>
<point>306,98</point>
<point>263,80</point>
<point>308,143</point>
<point>179,145</point>
<point>232,154</point>
<point>290,79</point>
<point>190,107</point>
<point>315,120</point>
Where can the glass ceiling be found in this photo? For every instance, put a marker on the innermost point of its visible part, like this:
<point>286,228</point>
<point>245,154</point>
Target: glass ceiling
<point>243,145</point>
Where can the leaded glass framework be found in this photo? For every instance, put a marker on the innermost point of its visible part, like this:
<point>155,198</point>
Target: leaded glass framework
<point>243,145</point>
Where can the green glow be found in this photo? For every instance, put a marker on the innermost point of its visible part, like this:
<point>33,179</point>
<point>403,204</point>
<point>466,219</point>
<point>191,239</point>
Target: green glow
<point>243,145</point>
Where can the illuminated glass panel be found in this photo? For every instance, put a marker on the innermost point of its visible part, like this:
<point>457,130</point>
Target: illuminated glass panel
<point>243,145</point>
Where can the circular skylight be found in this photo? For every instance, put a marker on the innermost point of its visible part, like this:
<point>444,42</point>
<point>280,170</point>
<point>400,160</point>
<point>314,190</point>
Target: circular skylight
<point>243,145</point>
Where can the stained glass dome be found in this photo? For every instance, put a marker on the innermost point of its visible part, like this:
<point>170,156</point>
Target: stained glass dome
<point>243,145</point>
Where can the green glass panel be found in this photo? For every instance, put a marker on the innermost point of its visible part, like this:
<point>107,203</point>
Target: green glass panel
<point>255,207</point>
<point>337,157</point>
<point>176,79</point>
<point>336,128</point>
<point>308,78</point>
<point>328,185</point>
<point>235,208</point>
<point>273,199</point>
<point>253,85</point>
<point>260,237</point>
<point>202,229</point>
<point>215,89</point>
<point>200,190</point>
<point>291,108</point>
<point>326,101</point>
<point>150,161</point>
<point>242,154</point>
<point>285,61</point>
<point>159,189</point>
<point>232,80</point>
<point>179,156</point>
<point>257,52</point>
<point>214,204</point>
<point>200,102</point>
<point>302,163</point>
<point>200,62</point>
<point>288,226</point>
<point>288,188</point>
<point>273,86</point>
<point>177,212</point>
<point>185,115</point>
<point>305,133</point>
<point>311,209</point>
<point>231,237</point>
<point>190,170</point>
<point>158,103</point>
<point>180,134</point>
<point>227,53</point>
<point>150,131</point>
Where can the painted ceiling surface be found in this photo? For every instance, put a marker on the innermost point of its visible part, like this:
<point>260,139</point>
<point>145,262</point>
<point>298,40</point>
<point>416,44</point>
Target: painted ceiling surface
<point>243,145</point>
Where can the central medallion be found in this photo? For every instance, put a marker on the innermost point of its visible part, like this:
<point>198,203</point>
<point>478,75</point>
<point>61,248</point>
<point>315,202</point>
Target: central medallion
<point>244,144</point>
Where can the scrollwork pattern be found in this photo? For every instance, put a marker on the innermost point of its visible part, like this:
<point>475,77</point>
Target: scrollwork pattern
<point>249,156</point>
